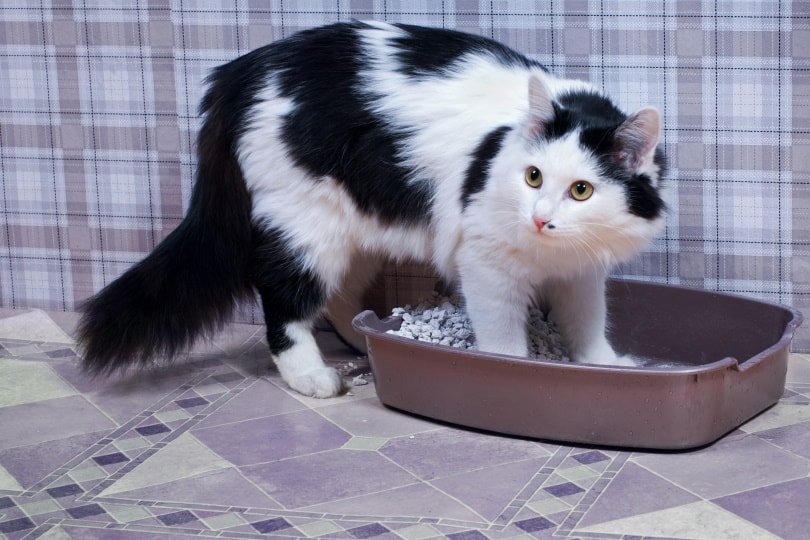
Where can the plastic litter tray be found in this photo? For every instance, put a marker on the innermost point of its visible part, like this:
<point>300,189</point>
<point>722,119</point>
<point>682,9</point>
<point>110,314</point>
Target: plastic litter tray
<point>730,355</point>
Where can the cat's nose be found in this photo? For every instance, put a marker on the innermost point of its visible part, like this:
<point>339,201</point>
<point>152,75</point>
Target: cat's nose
<point>540,223</point>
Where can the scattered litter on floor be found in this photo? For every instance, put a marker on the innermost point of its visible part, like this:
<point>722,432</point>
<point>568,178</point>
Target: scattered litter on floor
<point>360,380</point>
<point>441,320</point>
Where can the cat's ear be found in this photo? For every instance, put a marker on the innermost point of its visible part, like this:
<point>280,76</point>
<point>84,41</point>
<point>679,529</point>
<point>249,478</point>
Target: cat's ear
<point>541,107</point>
<point>635,140</point>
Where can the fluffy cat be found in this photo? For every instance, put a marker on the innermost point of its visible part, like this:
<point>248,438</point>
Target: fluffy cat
<point>325,152</point>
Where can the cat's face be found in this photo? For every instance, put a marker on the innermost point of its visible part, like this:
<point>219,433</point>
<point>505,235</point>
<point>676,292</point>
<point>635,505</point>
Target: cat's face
<point>567,202</point>
<point>582,189</point>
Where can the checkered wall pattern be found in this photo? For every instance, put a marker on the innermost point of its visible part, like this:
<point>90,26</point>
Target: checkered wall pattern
<point>98,119</point>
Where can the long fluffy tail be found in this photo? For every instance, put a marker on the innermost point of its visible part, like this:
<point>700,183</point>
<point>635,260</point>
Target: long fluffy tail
<point>191,283</point>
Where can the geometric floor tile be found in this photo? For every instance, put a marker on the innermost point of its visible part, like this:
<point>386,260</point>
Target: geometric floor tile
<point>700,520</point>
<point>33,325</point>
<point>634,490</point>
<point>182,458</point>
<point>217,445</point>
<point>26,382</point>
<point>780,508</point>
<point>737,463</point>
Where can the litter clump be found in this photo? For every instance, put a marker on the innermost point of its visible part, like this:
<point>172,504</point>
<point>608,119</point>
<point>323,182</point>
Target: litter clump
<point>441,320</point>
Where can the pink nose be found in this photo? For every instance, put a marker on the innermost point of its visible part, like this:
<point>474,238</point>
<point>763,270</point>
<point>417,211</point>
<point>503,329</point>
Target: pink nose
<point>539,222</point>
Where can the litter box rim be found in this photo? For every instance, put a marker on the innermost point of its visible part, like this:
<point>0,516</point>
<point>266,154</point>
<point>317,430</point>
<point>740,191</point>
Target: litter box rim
<point>619,406</point>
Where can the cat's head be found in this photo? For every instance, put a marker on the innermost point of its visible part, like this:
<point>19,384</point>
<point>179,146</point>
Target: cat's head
<point>584,176</point>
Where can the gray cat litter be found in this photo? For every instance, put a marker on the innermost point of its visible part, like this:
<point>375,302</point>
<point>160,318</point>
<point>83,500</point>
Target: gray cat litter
<point>441,320</point>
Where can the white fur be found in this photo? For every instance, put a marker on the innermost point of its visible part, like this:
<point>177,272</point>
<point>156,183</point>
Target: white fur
<point>493,249</point>
<point>302,367</point>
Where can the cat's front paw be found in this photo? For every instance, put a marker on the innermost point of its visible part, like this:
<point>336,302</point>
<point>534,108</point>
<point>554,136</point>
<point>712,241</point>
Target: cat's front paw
<point>323,382</point>
<point>609,359</point>
<point>625,360</point>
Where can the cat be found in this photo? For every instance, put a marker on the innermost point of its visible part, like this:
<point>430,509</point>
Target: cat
<point>324,153</point>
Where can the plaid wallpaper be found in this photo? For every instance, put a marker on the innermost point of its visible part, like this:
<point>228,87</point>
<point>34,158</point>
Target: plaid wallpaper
<point>98,103</point>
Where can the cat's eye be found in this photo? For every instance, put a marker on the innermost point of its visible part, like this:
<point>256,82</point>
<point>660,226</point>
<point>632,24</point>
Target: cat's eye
<point>581,190</point>
<point>533,177</point>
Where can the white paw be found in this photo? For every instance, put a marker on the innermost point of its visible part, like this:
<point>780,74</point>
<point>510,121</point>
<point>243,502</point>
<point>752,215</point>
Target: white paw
<point>322,382</point>
<point>609,359</point>
<point>625,360</point>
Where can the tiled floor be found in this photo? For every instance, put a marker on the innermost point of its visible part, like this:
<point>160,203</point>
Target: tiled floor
<point>218,447</point>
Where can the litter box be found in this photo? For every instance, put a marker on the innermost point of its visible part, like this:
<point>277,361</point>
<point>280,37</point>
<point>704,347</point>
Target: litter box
<point>729,353</point>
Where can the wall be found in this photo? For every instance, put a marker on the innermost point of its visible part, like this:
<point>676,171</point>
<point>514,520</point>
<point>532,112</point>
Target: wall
<point>98,118</point>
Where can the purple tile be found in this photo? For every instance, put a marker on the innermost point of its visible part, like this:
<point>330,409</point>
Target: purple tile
<point>634,491</point>
<point>152,429</point>
<point>228,377</point>
<point>31,463</point>
<point>271,525</point>
<point>50,420</point>
<point>780,509</point>
<point>64,491</point>
<point>208,488</point>
<point>16,525</point>
<point>421,499</point>
<point>123,396</point>
<point>110,459</point>
<point>267,439</point>
<point>368,531</point>
<point>95,533</point>
<point>259,400</point>
<point>61,353</point>
<point>503,483</point>
<point>535,524</point>
<point>370,418</point>
<point>190,403</point>
<point>564,490</point>
<point>594,456</point>
<point>468,535</point>
<point>795,438</point>
<point>451,451</point>
<point>88,510</point>
<point>177,518</point>
<point>6,502</point>
<point>298,482</point>
<point>731,465</point>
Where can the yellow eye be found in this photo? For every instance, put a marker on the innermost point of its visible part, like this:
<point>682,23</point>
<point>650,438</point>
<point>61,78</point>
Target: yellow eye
<point>533,177</point>
<point>581,190</point>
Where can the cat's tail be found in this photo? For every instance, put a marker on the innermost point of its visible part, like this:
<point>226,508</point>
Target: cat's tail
<point>193,280</point>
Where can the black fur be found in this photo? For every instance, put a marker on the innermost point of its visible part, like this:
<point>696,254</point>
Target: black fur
<point>288,291</point>
<point>332,130</point>
<point>598,119</point>
<point>476,177</point>
<point>428,51</point>
<point>190,284</point>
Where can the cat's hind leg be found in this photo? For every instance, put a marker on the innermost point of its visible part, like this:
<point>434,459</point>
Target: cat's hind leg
<point>347,302</point>
<point>293,295</point>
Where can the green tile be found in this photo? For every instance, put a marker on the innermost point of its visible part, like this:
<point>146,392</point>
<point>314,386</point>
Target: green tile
<point>418,532</point>
<point>546,507</point>
<point>131,444</point>
<point>127,514</point>
<point>210,389</point>
<point>87,471</point>
<point>224,521</point>
<point>41,507</point>
<point>574,474</point>
<point>171,416</point>
<point>317,529</point>
<point>365,443</point>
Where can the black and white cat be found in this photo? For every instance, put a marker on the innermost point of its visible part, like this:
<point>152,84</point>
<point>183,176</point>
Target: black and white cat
<point>325,152</point>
